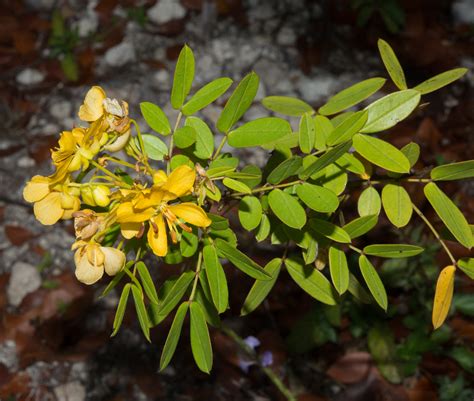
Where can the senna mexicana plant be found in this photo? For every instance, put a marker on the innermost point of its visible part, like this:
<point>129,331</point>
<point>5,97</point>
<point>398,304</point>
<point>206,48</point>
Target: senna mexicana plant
<point>165,193</point>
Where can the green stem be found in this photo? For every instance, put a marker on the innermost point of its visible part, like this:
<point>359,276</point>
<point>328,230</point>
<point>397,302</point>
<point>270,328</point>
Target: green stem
<point>269,372</point>
<point>170,150</point>
<point>142,147</point>
<point>118,161</point>
<point>435,233</point>
<point>105,171</point>
<point>268,188</point>
<point>219,148</point>
<point>196,277</point>
<point>356,249</point>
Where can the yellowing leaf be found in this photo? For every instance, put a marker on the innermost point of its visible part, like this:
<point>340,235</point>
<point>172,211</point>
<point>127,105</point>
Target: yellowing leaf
<point>443,296</point>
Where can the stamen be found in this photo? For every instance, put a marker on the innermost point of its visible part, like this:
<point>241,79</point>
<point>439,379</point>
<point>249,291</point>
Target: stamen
<point>141,231</point>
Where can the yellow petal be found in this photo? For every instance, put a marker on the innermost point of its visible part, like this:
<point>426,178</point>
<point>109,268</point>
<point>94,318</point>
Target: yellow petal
<point>130,230</point>
<point>93,108</point>
<point>159,177</point>
<point>48,210</point>
<point>158,241</point>
<point>191,214</point>
<point>95,255</point>
<point>127,214</point>
<point>36,189</point>
<point>114,260</point>
<point>69,212</point>
<point>443,296</point>
<point>86,272</point>
<point>180,182</point>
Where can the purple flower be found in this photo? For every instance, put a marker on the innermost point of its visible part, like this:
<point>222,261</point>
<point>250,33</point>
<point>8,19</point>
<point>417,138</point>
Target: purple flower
<point>245,364</point>
<point>252,342</point>
<point>266,359</point>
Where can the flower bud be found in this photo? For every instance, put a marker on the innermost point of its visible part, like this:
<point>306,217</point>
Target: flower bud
<point>101,194</point>
<point>86,194</point>
<point>114,260</point>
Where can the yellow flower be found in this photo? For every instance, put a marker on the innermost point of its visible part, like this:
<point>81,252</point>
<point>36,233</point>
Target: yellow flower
<point>52,202</point>
<point>152,205</point>
<point>93,107</point>
<point>92,260</point>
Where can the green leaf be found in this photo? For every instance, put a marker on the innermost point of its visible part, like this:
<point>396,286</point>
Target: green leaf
<point>467,266</point>
<point>239,102</point>
<point>361,225</point>
<point>323,128</point>
<point>250,212</point>
<point>188,244</point>
<point>216,278</point>
<point>412,152</point>
<point>285,169</point>
<point>306,133</point>
<point>449,214</point>
<point>180,160</point>
<point>175,291</point>
<point>373,281</point>
<point>236,186</point>
<point>453,171</point>
<point>288,106</point>
<point>147,282</point>
<point>259,132</point>
<point>184,137</point>
<point>338,269</point>
<point>351,163</point>
<point>393,250</point>
<point>263,229</point>
<point>357,291</point>
<point>287,208</point>
<point>240,260</point>
<point>318,198</point>
<point>206,95</point>
<point>310,280</point>
<point>392,64</point>
<point>155,118</point>
<point>204,298</point>
<point>141,311</point>
<point>200,340</point>
<point>351,96</point>
<point>204,139</point>
<point>369,202</point>
<point>381,153</point>
<point>390,110</point>
<point>183,77</point>
<point>155,148</point>
<point>117,278</point>
<point>173,336</point>
<point>260,289</point>
<point>325,160</point>
<point>381,344</point>
<point>440,80</point>
<point>330,230</point>
<point>122,305</point>
<point>256,175</point>
<point>347,128</point>
<point>397,204</point>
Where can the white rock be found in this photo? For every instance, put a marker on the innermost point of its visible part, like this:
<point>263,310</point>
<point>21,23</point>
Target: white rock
<point>73,391</point>
<point>8,356</point>
<point>25,162</point>
<point>286,36</point>
<point>463,11</point>
<point>162,79</point>
<point>120,55</point>
<point>88,24</point>
<point>61,110</point>
<point>261,92</point>
<point>30,76</point>
<point>24,279</point>
<point>316,88</point>
<point>166,10</point>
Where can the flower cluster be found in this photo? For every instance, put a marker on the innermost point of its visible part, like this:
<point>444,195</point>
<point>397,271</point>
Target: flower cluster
<point>106,200</point>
